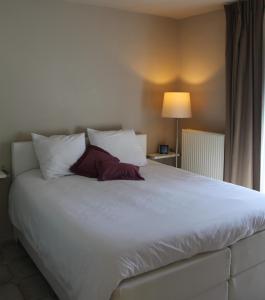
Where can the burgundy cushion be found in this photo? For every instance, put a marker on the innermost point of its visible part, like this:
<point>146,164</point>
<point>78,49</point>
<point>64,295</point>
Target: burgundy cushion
<point>86,164</point>
<point>113,170</point>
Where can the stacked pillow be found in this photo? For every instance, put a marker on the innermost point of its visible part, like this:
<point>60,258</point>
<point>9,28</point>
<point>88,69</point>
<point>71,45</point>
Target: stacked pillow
<point>111,155</point>
<point>57,153</point>
<point>122,144</point>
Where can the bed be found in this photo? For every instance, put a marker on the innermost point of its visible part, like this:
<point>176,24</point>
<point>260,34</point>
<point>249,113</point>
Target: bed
<point>147,240</point>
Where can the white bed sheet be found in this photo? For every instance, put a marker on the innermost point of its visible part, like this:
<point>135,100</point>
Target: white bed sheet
<point>91,235</point>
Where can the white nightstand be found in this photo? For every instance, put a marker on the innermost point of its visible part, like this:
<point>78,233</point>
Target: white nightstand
<point>3,175</point>
<point>163,158</point>
<point>157,156</point>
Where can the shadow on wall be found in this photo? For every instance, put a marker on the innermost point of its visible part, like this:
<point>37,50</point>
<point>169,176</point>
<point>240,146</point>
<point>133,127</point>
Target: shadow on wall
<point>154,58</point>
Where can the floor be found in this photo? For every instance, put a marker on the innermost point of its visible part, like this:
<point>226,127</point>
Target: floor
<point>19,277</point>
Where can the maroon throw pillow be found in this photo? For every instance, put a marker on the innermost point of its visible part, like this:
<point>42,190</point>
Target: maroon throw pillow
<point>113,170</point>
<point>86,164</point>
<point>88,148</point>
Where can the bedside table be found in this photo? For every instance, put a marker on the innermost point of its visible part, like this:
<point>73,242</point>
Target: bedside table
<point>168,159</point>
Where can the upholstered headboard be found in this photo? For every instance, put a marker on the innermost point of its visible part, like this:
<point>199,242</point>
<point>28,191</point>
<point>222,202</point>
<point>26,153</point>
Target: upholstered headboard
<point>24,158</point>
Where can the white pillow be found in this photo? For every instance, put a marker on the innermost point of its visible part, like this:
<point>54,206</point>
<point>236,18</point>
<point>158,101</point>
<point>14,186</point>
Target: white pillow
<point>56,154</point>
<point>122,144</point>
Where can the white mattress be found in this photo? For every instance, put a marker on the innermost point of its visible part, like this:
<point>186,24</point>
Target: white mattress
<point>92,235</point>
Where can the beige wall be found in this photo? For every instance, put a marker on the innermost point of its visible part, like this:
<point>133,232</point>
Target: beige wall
<point>202,69</point>
<point>64,67</point>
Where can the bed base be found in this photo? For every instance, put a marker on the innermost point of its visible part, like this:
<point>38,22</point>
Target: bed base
<point>249,285</point>
<point>247,279</point>
<point>235,273</point>
<point>219,292</point>
<point>200,277</point>
<point>171,282</point>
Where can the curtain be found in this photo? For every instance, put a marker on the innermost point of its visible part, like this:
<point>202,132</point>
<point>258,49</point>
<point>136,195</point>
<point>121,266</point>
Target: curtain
<point>262,175</point>
<point>244,72</point>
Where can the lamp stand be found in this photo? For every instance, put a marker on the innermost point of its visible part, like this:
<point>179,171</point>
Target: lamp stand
<point>177,143</point>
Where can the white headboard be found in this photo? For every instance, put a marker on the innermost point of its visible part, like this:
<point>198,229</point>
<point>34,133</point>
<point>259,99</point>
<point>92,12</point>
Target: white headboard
<point>24,158</point>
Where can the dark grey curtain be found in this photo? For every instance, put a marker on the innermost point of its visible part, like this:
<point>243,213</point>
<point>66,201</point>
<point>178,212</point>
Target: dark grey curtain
<point>244,71</point>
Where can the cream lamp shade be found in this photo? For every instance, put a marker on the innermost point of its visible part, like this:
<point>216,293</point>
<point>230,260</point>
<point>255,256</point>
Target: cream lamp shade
<point>176,105</point>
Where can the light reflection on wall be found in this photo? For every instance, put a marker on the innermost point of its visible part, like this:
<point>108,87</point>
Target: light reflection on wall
<point>158,72</point>
<point>199,73</point>
<point>207,90</point>
<point>158,65</point>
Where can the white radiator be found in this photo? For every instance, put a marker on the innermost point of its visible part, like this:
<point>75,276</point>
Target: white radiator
<point>203,153</point>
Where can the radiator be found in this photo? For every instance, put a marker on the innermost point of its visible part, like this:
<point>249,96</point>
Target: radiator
<point>203,153</point>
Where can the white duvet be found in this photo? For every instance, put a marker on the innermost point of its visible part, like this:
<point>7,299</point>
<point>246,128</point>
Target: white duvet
<point>91,235</point>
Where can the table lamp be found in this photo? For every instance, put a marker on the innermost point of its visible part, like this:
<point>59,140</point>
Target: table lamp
<point>176,105</point>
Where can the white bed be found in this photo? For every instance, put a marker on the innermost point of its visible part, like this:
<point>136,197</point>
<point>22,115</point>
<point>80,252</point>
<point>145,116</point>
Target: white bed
<point>139,240</point>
